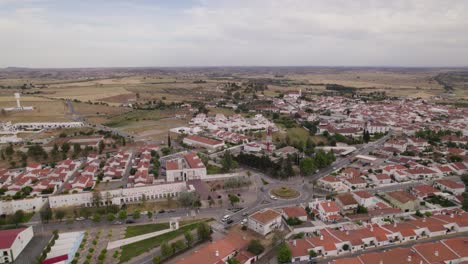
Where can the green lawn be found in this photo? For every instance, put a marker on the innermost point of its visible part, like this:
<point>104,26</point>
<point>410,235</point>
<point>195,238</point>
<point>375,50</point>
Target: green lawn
<point>211,169</point>
<point>140,247</point>
<point>137,230</point>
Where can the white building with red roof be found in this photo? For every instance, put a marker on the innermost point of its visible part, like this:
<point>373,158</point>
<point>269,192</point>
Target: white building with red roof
<point>332,183</point>
<point>13,242</point>
<point>326,210</point>
<point>455,188</point>
<point>295,212</point>
<point>203,142</point>
<point>265,221</point>
<point>185,168</point>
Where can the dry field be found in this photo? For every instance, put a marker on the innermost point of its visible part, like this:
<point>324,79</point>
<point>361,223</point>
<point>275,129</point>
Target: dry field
<point>45,110</point>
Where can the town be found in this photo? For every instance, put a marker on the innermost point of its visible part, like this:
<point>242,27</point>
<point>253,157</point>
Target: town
<point>294,177</point>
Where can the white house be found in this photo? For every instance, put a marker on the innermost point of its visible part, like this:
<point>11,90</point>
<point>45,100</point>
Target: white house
<point>450,186</point>
<point>263,222</point>
<point>185,168</point>
<point>12,243</point>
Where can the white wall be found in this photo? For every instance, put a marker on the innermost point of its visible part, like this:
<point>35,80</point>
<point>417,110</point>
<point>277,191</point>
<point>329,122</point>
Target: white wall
<point>27,205</point>
<point>119,196</point>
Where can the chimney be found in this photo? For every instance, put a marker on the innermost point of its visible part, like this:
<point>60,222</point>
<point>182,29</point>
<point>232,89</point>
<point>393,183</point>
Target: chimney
<point>452,216</point>
<point>217,253</point>
<point>294,242</point>
<point>394,224</point>
<point>381,262</point>
<point>424,220</point>
<point>436,253</point>
<point>321,237</point>
<point>409,258</point>
<point>328,204</point>
<point>347,232</point>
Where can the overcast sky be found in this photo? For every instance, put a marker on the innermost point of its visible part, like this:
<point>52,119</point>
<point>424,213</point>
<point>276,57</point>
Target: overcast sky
<point>101,33</point>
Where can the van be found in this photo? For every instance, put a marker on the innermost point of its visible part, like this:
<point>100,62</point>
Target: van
<point>225,218</point>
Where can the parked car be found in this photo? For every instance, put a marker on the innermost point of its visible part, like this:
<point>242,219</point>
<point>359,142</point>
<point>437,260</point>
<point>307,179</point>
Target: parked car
<point>162,211</point>
<point>226,218</point>
<point>229,221</point>
<point>80,218</point>
<point>117,223</point>
<point>244,221</point>
<point>129,221</point>
<point>273,197</point>
<point>245,214</point>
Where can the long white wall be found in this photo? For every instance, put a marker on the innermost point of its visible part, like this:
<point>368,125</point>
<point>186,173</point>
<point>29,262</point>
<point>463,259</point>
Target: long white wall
<point>120,196</point>
<point>27,205</point>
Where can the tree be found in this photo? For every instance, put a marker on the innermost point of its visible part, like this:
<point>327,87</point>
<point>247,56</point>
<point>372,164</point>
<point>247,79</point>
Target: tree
<point>122,214</point>
<point>284,254</point>
<point>46,214</point>
<point>188,238</point>
<point>361,210</point>
<point>59,215</point>
<point>110,217</point>
<point>97,198</point>
<point>84,212</point>
<point>96,218</point>
<point>76,148</point>
<point>166,250</point>
<point>204,231</point>
<point>157,260</point>
<point>227,162</point>
<point>150,215</point>
<point>233,199</point>
<point>366,136</point>
<point>101,146</point>
<point>187,199</point>
<point>136,214</point>
<point>65,147</point>
<point>312,254</point>
<point>54,153</point>
<point>18,217</point>
<point>233,261</point>
<point>255,247</point>
<point>307,166</point>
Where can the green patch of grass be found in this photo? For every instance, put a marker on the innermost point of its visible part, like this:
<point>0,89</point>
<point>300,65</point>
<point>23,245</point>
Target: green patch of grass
<point>140,247</point>
<point>211,169</point>
<point>444,202</point>
<point>188,222</point>
<point>137,230</point>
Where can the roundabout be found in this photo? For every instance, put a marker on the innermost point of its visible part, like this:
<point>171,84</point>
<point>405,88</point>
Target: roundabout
<point>284,192</point>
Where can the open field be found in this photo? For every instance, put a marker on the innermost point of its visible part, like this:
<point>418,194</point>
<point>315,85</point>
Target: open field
<point>45,110</point>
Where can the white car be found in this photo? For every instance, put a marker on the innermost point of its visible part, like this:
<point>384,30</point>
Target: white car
<point>225,218</point>
<point>273,197</point>
<point>244,221</point>
<point>80,218</point>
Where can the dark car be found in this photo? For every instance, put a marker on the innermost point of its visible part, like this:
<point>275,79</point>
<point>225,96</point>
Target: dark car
<point>162,211</point>
<point>129,222</point>
<point>229,221</point>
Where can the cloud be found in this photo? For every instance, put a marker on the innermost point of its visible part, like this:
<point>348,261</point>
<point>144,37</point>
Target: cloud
<point>52,33</point>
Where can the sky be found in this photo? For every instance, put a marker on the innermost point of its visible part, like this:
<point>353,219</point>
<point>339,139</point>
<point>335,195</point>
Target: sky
<point>140,33</point>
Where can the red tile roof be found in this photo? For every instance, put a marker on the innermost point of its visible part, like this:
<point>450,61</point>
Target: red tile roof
<point>7,237</point>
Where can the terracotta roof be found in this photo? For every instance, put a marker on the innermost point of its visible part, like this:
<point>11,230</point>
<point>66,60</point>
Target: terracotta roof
<point>207,253</point>
<point>7,237</point>
<point>435,252</point>
<point>451,184</point>
<point>402,196</point>
<point>294,211</point>
<point>204,140</point>
<point>265,216</point>
<point>346,199</point>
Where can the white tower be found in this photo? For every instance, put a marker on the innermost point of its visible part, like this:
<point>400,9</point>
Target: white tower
<point>17,97</point>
